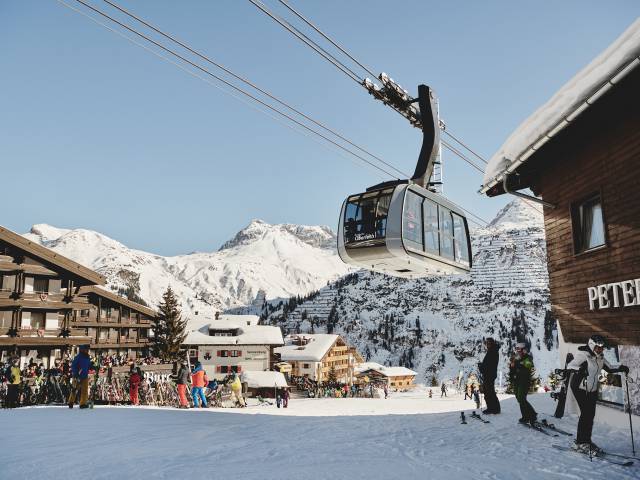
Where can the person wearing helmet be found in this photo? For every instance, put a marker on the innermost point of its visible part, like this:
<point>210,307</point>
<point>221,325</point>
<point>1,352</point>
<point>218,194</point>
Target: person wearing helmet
<point>582,394</point>
<point>520,373</point>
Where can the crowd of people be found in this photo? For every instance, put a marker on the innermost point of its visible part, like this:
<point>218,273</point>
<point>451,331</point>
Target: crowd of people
<point>62,382</point>
<point>68,381</point>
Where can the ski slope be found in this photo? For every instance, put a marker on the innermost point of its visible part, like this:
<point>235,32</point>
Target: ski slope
<point>408,436</point>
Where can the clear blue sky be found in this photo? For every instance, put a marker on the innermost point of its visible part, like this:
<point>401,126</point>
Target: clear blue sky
<point>97,133</point>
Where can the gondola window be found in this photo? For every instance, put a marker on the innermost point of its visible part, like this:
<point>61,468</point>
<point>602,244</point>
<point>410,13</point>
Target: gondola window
<point>431,235</point>
<point>446,233</point>
<point>460,240</point>
<point>366,217</point>
<point>412,221</point>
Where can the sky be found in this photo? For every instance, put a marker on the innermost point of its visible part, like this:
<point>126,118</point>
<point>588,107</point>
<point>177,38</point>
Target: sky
<point>98,133</point>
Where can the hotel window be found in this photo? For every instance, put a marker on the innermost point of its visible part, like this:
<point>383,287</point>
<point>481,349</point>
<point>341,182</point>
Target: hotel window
<point>588,224</point>
<point>5,318</point>
<point>41,285</point>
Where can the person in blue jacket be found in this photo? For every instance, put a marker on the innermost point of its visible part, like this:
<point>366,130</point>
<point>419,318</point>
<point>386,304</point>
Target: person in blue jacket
<point>80,372</point>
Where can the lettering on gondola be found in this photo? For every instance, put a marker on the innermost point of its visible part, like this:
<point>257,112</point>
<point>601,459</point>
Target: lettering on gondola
<point>614,295</point>
<point>364,236</point>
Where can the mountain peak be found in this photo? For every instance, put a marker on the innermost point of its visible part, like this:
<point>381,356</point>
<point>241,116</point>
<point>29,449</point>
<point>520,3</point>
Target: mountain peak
<point>47,232</point>
<point>518,212</point>
<point>315,236</point>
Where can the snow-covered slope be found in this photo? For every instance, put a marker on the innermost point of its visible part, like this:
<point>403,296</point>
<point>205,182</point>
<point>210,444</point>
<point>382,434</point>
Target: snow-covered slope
<point>436,325</point>
<point>261,261</point>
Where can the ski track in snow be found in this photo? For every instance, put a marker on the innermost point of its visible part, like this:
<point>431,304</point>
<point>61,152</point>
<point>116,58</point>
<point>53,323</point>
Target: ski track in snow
<point>262,442</point>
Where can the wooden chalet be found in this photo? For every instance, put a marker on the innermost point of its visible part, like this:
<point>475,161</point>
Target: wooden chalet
<point>49,303</point>
<point>580,153</point>
<point>314,356</point>
<point>399,378</point>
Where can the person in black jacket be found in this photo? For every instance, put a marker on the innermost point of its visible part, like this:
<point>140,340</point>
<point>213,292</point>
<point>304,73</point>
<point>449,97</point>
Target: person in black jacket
<point>182,378</point>
<point>489,371</point>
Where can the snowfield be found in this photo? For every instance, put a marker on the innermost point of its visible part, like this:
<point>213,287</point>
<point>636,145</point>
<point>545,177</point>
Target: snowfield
<point>405,437</point>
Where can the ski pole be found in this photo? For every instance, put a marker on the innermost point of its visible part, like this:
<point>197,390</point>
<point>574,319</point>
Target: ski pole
<point>633,447</point>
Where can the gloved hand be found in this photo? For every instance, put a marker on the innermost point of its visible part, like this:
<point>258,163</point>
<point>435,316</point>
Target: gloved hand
<point>623,369</point>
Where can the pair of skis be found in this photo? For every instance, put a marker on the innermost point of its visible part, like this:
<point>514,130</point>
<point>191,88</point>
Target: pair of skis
<point>463,419</point>
<point>626,461</point>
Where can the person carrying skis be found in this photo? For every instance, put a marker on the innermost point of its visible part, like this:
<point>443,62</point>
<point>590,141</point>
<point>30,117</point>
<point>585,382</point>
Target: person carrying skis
<point>80,371</point>
<point>520,373</point>
<point>489,371</point>
<point>182,378</point>
<point>443,389</point>
<point>134,382</point>
<point>198,381</point>
<point>583,389</point>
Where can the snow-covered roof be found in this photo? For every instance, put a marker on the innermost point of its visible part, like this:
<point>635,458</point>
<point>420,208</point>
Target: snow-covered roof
<point>386,371</point>
<point>264,379</point>
<point>316,348</point>
<point>568,103</point>
<point>248,333</point>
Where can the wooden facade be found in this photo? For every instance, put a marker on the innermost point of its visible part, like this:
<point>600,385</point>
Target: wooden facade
<point>49,303</point>
<point>338,356</point>
<point>597,154</point>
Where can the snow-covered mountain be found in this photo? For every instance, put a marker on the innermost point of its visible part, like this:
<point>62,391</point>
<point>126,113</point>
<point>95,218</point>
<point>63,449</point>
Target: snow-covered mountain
<point>433,325</point>
<point>261,261</point>
<point>436,325</point>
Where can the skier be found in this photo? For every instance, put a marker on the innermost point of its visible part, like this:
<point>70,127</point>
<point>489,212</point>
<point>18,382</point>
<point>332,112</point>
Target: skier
<point>198,381</point>
<point>583,389</point>
<point>285,398</point>
<point>182,378</point>
<point>134,382</point>
<point>520,370</point>
<point>80,370</point>
<point>13,378</point>
<point>236,390</point>
<point>443,389</point>
<point>430,393</point>
<point>489,371</point>
<point>385,388</point>
<point>278,397</point>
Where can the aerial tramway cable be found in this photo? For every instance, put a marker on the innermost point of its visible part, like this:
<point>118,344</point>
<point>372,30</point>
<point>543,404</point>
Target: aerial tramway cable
<point>237,89</point>
<point>310,43</point>
<point>248,82</point>
<point>450,147</point>
<point>291,29</point>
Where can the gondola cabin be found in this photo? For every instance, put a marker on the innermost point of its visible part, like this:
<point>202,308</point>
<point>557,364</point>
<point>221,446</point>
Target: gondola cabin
<point>404,230</point>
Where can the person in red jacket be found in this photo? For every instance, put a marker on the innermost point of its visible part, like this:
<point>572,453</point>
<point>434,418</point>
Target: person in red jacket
<point>134,382</point>
<point>198,381</point>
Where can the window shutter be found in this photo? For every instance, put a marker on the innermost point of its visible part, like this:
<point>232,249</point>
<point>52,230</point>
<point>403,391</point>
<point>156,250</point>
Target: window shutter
<point>219,354</point>
<point>239,368</point>
<point>218,369</point>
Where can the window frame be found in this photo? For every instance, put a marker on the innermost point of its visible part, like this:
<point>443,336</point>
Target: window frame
<point>576,226</point>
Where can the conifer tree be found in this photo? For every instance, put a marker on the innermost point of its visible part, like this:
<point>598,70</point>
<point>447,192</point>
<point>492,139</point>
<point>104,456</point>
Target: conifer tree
<point>332,377</point>
<point>169,328</point>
